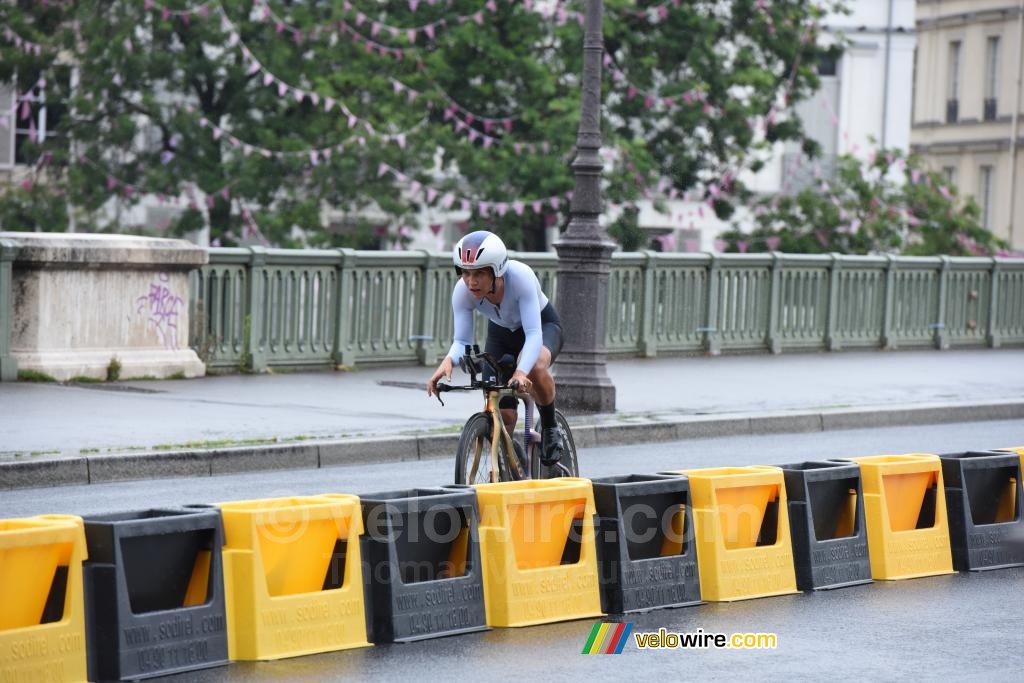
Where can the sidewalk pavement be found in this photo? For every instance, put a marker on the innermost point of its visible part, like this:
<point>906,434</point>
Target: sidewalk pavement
<point>56,434</point>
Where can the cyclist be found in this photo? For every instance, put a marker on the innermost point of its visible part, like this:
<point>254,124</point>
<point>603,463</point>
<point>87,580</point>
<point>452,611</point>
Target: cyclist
<point>522,323</point>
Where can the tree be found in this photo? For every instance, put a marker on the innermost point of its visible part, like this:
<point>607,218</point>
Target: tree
<point>262,114</point>
<point>888,204</point>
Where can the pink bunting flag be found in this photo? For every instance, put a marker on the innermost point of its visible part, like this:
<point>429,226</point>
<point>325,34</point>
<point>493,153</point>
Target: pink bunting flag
<point>431,195</point>
<point>447,200</point>
<point>484,208</point>
<point>352,120</point>
<point>429,31</point>
<point>491,5</point>
<point>773,242</point>
<point>479,18</point>
<point>691,245</point>
<point>648,101</point>
<point>555,202</point>
<point>382,169</point>
<point>536,206</point>
<point>742,246</point>
<point>411,34</point>
<point>631,93</point>
<point>502,208</point>
<point>720,245</point>
<point>466,205</point>
<point>328,104</point>
<point>413,4</point>
<point>518,207</point>
<point>435,228</point>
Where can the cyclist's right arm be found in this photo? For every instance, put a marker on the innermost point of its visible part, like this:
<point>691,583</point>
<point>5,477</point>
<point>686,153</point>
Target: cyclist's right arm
<point>462,314</point>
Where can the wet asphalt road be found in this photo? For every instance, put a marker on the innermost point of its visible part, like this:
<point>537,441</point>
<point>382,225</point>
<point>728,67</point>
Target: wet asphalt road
<point>967,626</point>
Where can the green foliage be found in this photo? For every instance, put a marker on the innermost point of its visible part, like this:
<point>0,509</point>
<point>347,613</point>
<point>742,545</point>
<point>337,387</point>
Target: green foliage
<point>627,232</point>
<point>113,370</point>
<point>889,204</point>
<point>681,91</point>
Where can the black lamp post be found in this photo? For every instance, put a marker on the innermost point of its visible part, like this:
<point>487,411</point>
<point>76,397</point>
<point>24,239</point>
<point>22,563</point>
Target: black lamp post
<point>584,251</point>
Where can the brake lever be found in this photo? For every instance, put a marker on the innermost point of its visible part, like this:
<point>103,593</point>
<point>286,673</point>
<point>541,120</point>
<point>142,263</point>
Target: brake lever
<point>437,394</point>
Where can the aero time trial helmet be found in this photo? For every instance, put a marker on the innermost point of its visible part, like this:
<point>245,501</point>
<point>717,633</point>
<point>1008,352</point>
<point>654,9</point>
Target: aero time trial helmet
<point>481,249</point>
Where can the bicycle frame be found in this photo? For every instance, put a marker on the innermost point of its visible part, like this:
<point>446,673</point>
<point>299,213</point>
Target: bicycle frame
<point>492,407</point>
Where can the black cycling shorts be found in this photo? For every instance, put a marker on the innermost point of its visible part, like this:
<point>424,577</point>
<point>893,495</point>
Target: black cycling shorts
<point>501,340</point>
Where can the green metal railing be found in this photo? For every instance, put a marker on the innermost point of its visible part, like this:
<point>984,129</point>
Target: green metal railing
<point>260,308</point>
<point>257,308</point>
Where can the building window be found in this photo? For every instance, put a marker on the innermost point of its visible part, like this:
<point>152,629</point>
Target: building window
<point>985,199</point>
<point>36,115</point>
<point>953,87</point>
<point>950,173</point>
<point>991,77</point>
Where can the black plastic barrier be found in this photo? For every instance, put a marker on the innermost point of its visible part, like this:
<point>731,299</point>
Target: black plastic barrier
<point>646,557</point>
<point>983,502</point>
<point>154,594</point>
<point>826,521</point>
<point>422,554</point>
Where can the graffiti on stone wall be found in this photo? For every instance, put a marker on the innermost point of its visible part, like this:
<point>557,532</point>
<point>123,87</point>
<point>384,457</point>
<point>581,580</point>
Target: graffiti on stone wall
<point>161,306</point>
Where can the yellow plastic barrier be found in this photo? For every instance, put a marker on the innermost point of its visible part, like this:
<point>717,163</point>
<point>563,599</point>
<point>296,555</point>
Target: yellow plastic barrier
<point>286,592</point>
<point>741,525</point>
<point>538,552</point>
<point>1019,450</point>
<point>905,513</point>
<point>42,614</point>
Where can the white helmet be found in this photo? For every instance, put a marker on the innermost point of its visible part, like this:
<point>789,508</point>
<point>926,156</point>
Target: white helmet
<point>481,249</point>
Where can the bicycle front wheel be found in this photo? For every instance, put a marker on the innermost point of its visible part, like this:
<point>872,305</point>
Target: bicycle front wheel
<point>473,462</point>
<point>569,460</point>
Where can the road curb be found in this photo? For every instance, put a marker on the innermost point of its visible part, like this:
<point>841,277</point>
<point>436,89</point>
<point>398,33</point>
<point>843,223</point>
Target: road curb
<point>30,472</point>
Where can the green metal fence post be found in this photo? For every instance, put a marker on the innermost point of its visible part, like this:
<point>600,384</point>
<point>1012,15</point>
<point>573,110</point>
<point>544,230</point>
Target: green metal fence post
<point>712,340</point>
<point>649,311</point>
<point>344,355</point>
<point>8,363</point>
<point>832,315</point>
<point>774,339</point>
<point>992,337</point>
<point>941,337</point>
<point>890,294</point>
<point>253,349</point>
<point>425,353</point>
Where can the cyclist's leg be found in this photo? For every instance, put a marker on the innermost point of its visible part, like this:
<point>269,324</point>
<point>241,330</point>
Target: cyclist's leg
<point>544,385</point>
<point>502,341</point>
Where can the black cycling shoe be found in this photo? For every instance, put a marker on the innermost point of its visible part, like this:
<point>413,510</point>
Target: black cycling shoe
<point>552,446</point>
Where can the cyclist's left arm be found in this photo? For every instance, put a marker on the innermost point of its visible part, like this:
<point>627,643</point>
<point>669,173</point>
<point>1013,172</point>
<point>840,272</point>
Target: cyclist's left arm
<point>529,311</point>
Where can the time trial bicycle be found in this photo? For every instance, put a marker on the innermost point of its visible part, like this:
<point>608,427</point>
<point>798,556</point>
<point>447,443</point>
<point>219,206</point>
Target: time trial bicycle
<point>486,451</point>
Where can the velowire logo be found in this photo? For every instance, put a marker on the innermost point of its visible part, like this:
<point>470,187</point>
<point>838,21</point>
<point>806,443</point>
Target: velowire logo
<point>607,639</point>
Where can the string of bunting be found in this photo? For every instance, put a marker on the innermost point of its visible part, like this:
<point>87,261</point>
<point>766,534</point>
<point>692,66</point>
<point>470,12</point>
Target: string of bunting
<point>484,208</point>
<point>23,44</point>
<point>269,79</point>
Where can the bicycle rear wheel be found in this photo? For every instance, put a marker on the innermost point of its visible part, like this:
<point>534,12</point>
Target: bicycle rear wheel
<point>473,455</point>
<point>569,460</point>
